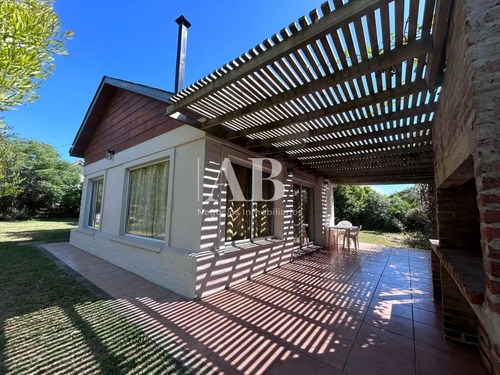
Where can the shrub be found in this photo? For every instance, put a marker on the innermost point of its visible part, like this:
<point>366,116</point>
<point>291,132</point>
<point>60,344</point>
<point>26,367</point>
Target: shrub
<point>416,240</point>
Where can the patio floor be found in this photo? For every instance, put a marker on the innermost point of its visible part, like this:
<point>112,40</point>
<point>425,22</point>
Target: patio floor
<point>367,311</point>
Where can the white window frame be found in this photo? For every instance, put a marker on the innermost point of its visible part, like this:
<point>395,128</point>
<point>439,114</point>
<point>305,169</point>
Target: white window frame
<point>308,184</point>
<point>88,206</point>
<point>159,157</point>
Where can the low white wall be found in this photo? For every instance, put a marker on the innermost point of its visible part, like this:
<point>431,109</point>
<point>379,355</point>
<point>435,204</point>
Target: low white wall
<point>171,268</point>
<point>216,271</point>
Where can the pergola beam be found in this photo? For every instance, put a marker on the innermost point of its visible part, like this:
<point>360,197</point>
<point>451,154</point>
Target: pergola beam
<point>377,180</point>
<point>439,34</point>
<point>323,26</point>
<point>409,51</point>
<point>398,154</point>
<point>372,146</point>
<point>388,95</point>
<point>386,117</point>
<point>372,164</point>
<point>423,126</point>
<point>348,168</point>
<point>407,172</point>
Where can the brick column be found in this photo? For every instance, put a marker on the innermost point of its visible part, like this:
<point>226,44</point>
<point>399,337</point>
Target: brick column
<point>484,51</point>
<point>436,277</point>
<point>466,133</point>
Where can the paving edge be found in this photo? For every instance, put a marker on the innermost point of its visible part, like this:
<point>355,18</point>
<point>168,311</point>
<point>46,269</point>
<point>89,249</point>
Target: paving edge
<point>79,277</point>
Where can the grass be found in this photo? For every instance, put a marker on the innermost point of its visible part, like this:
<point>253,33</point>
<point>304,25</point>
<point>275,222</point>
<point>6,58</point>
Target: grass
<point>50,323</point>
<point>40,230</point>
<point>381,238</point>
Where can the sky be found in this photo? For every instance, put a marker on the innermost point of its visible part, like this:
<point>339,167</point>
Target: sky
<point>136,41</point>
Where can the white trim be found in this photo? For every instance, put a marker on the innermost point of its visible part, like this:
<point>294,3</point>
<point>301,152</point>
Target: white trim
<point>87,231</point>
<point>170,196</point>
<point>88,204</point>
<point>144,243</point>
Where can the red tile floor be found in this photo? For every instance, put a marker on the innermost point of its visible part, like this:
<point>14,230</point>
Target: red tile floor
<point>367,311</point>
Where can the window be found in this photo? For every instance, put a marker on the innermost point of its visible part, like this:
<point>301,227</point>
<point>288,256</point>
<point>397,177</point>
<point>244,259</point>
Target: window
<point>147,204</point>
<point>246,220</point>
<point>95,203</point>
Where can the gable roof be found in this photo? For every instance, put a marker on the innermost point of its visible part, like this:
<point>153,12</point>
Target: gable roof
<point>105,92</point>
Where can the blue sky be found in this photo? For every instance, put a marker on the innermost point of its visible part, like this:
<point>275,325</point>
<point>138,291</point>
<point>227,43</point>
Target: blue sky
<point>136,41</point>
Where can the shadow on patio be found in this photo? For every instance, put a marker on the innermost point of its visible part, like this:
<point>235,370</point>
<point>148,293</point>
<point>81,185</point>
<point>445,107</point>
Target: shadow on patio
<point>332,311</point>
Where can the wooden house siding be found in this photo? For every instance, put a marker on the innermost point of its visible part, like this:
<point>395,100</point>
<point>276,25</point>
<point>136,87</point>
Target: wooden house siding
<point>130,119</point>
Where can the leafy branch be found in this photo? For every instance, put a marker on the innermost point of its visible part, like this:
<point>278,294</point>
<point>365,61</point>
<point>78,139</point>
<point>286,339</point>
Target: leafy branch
<point>30,38</point>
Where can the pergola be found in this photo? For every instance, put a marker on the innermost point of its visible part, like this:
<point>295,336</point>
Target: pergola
<point>348,93</point>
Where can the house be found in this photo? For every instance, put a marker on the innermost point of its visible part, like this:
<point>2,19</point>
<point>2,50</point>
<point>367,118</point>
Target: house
<point>355,93</point>
<point>152,203</point>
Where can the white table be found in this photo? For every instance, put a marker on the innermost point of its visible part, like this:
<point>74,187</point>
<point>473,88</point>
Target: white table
<point>347,229</point>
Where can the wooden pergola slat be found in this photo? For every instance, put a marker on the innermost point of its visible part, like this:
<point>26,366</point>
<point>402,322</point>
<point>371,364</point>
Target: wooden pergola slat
<point>398,131</point>
<point>323,26</point>
<point>338,93</point>
<point>392,116</point>
<point>372,146</point>
<point>395,93</point>
<point>418,48</point>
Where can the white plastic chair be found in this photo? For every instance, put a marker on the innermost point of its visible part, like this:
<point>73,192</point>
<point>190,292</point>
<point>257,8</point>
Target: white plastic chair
<point>343,223</point>
<point>353,235</point>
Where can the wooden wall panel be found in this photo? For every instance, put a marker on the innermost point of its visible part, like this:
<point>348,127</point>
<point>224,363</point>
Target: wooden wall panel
<point>130,119</point>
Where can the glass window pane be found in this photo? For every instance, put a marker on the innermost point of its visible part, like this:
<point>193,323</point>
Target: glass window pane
<point>263,211</point>
<point>246,220</point>
<point>238,213</point>
<point>95,203</point>
<point>147,206</point>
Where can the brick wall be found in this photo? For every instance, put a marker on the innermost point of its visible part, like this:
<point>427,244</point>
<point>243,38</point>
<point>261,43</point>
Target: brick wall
<point>467,144</point>
<point>458,217</point>
<point>453,128</point>
<point>436,277</point>
<point>484,28</point>
<point>460,321</point>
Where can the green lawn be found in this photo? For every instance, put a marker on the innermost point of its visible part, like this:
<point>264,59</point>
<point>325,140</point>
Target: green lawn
<point>42,230</point>
<point>50,323</point>
<point>381,238</point>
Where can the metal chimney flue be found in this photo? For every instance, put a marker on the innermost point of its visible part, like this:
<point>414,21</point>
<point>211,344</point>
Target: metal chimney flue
<point>181,53</point>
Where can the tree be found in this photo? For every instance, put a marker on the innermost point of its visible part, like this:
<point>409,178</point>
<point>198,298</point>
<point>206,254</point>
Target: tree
<point>10,163</point>
<point>30,38</point>
<point>49,186</point>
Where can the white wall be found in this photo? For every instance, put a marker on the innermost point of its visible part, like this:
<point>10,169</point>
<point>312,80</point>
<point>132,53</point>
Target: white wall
<point>168,262</point>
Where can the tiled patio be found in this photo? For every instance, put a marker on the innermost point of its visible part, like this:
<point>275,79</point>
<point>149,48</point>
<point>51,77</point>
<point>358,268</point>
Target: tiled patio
<point>366,311</point>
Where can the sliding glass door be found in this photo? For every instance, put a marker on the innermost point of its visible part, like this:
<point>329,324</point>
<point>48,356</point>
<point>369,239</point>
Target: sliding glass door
<point>303,222</point>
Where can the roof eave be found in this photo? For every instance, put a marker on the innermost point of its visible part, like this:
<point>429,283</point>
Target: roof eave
<point>105,91</point>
